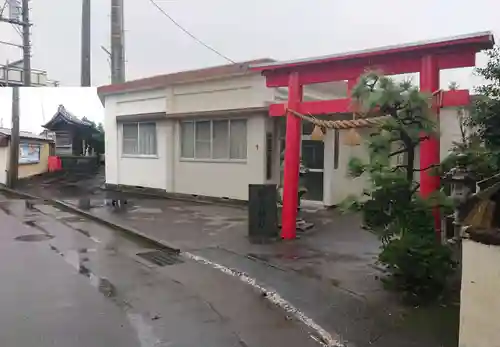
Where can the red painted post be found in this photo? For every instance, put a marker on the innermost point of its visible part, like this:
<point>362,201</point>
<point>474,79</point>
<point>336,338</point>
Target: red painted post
<point>429,149</point>
<point>292,160</point>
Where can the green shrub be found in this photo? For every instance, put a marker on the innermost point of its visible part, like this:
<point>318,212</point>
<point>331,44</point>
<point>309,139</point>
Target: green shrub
<point>418,266</point>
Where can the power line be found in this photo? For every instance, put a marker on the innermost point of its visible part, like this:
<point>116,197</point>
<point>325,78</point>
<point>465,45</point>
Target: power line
<point>189,33</point>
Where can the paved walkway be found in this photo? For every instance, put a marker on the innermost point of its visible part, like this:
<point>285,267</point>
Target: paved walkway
<point>329,273</point>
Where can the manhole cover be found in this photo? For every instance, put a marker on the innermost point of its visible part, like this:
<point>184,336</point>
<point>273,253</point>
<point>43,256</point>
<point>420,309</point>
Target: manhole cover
<point>34,237</point>
<point>161,258</point>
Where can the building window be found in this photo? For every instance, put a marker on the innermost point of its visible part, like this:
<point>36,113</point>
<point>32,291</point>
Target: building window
<point>139,139</point>
<point>214,139</point>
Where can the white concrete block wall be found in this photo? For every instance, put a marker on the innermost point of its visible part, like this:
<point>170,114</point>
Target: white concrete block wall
<point>480,302</point>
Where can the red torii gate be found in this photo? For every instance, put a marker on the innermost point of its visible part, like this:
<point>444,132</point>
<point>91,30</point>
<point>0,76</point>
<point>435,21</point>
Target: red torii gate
<point>427,58</point>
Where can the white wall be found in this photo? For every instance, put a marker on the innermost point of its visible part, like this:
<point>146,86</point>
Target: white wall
<point>449,130</point>
<point>151,101</point>
<point>224,179</point>
<point>167,171</point>
<point>337,186</point>
<point>4,160</point>
<point>244,91</point>
<point>147,172</point>
<point>480,302</point>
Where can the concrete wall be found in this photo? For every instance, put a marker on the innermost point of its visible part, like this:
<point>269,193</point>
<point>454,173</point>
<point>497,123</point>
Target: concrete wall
<point>4,162</point>
<point>137,171</point>
<point>144,171</point>
<point>480,302</point>
<point>28,170</point>
<point>167,171</point>
<point>244,91</point>
<point>25,170</point>
<point>338,186</point>
<point>224,179</point>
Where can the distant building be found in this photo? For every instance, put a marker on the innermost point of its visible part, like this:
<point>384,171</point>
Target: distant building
<point>11,74</point>
<point>73,136</point>
<point>34,151</point>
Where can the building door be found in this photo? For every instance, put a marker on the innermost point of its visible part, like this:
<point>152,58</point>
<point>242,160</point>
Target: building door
<point>313,155</point>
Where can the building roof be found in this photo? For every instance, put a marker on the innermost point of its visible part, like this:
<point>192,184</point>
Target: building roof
<point>480,40</point>
<point>67,117</point>
<point>24,135</point>
<point>180,77</point>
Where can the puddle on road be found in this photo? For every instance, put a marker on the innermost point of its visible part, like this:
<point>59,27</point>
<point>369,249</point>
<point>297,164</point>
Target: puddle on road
<point>5,208</point>
<point>77,259</point>
<point>34,237</point>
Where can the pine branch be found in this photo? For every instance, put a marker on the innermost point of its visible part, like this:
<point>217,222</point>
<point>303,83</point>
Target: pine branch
<point>403,150</point>
<point>427,168</point>
<point>395,168</point>
<point>414,190</point>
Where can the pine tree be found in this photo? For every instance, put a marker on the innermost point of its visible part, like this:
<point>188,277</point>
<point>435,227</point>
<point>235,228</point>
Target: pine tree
<point>391,206</point>
<point>392,195</point>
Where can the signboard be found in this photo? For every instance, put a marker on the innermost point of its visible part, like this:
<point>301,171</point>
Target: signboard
<point>29,153</point>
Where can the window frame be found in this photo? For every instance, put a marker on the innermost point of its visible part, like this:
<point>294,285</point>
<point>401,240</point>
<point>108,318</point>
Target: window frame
<point>211,159</point>
<point>139,155</point>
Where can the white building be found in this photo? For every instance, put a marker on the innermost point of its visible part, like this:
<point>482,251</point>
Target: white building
<point>11,74</point>
<point>207,132</point>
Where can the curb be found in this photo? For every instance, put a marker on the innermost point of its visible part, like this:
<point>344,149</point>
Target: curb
<point>199,199</point>
<point>69,207</point>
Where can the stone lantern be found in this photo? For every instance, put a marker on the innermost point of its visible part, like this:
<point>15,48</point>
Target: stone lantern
<point>463,186</point>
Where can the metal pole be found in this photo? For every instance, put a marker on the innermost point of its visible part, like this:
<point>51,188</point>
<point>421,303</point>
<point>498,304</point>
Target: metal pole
<point>117,42</point>
<point>14,140</point>
<point>85,48</point>
<point>26,43</point>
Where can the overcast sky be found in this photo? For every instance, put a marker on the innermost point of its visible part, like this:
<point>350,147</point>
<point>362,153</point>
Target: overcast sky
<point>242,30</point>
<point>38,105</point>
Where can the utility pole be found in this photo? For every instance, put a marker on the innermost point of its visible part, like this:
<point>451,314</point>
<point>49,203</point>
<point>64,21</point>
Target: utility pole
<point>26,44</point>
<point>117,42</point>
<point>14,140</point>
<point>85,48</point>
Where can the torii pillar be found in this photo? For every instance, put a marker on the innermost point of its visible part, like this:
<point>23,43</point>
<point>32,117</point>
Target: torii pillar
<point>430,148</point>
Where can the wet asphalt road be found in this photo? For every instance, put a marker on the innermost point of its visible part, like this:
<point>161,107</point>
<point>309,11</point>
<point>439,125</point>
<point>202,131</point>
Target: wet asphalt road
<point>76,283</point>
<point>329,274</point>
